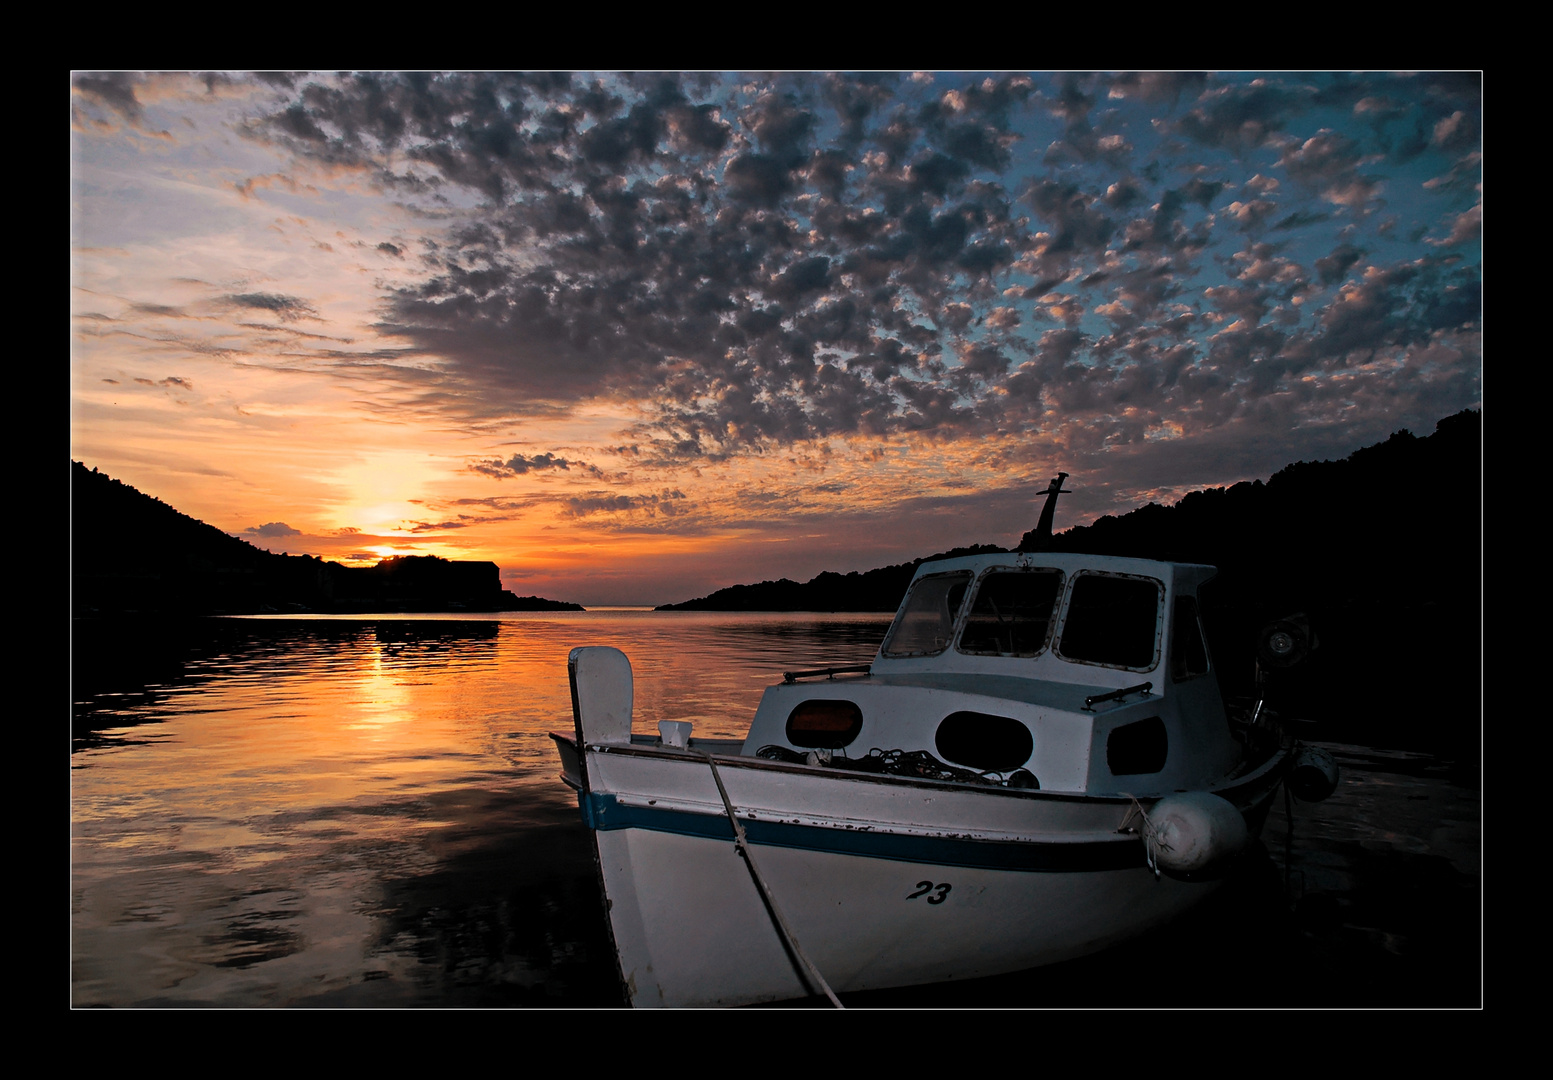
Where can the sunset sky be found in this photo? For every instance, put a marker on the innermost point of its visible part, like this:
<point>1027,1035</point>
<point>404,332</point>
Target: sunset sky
<point>638,337</point>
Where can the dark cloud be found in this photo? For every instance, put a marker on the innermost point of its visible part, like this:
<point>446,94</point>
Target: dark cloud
<point>667,503</point>
<point>758,262</point>
<point>1329,162</point>
<point>1159,86</point>
<point>518,464</point>
<point>272,531</point>
<point>288,308</point>
<point>1335,266</point>
<point>282,79</point>
<point>1242,116</point>
<point>115,92</point>
<point>164,310</point>
<point>1071,214</point>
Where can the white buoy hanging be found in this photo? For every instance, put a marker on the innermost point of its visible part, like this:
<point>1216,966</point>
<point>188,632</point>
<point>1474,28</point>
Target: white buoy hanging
<point>1193,832</point>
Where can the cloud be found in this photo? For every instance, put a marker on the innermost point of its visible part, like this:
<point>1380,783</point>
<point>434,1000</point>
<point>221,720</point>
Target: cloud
<point>1329,161</point>
<point>115,93</point>
<point>272,531</point>
<point>517,465</point>
<point>1457,131</point>
<point>160,310</point>
<point>1251,215</point>
<point>287,308</point>
<point>1333,267</point>
<point>1465,228</point>
<point>667,503</point>
<point>1158,86</point>
<point>1242,117</point>
<point>750,263</point>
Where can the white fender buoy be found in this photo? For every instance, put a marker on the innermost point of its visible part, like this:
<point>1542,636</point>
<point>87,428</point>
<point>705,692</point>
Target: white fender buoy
<point>1194,831</point>
<point>1314,775</point>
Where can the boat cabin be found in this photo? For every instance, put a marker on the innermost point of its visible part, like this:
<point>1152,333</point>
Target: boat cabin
<point>1071,673</point>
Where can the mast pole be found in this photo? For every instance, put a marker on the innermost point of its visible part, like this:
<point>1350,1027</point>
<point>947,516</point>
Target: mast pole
<point>1043,528</point>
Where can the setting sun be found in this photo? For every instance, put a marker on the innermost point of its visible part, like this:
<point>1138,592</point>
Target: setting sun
<point>715,329</point>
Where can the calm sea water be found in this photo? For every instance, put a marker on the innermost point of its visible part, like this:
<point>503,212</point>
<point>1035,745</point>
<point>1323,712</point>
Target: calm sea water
<point>359,812</point>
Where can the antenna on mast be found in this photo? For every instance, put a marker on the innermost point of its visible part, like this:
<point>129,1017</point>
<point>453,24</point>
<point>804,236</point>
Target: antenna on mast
<point>1042,536</point>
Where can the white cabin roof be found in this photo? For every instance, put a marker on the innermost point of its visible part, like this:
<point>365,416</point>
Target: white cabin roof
<point>1182,577</point>
<point>1175,579</point>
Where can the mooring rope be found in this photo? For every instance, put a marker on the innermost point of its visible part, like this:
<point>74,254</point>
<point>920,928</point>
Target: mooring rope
<point>741,845</point>
<point>1151,837</point>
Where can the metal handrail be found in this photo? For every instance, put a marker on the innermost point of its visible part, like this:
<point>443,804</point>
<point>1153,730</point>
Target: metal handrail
<point>1095,699</point>
<point>789,677</point>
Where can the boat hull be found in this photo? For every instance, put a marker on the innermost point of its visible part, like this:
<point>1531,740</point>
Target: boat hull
<point>884,881</point>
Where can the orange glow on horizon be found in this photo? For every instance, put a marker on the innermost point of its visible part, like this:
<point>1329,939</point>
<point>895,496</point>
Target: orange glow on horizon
<point>306,356</point>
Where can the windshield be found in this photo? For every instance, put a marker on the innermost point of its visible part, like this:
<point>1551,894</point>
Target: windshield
<point>1012,613</point>
<point>1112,619</point>
<point>926,620</point>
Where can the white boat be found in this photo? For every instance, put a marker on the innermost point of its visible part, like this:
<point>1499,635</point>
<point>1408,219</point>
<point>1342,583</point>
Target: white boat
<point>1037,765</point>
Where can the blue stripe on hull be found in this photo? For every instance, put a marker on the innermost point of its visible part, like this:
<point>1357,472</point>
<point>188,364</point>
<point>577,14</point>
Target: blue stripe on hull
<point>605,812</point>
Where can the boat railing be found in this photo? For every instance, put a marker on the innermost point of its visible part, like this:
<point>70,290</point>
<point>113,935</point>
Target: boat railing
<point>1095,699</point>
<point>790,677</point>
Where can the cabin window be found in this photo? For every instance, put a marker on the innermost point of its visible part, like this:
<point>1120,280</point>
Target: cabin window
<point>1112,620</point>
<point>1188,653</point>
<point>1137,748</point>
<point>983,741</point>
<point>1012,613</point>
<point>824,723</point>
<point>925,624</point>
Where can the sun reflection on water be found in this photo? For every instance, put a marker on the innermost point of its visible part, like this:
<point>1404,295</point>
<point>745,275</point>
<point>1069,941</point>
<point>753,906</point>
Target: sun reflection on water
<point>244,832</point>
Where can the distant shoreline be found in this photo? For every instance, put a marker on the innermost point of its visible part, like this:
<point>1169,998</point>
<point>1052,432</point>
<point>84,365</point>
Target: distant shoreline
<point>166,562</point>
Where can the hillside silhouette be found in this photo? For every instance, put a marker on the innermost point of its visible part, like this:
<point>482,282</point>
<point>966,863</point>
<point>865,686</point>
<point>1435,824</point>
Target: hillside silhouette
<point>872,590</point>
<point>1322,532</point>
<point>1315,532</point>
<point>134,554</point>
<point>1382,550</point>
